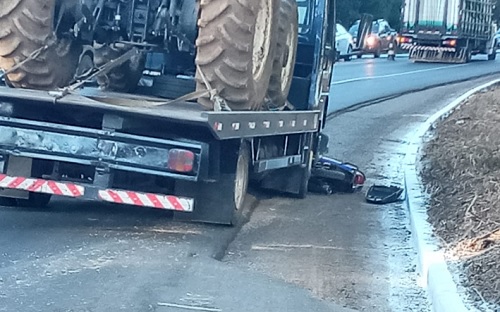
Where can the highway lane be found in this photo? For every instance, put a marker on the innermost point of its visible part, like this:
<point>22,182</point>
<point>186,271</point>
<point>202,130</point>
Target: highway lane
<point>87,257</point>
<point>340,247</point>
<point>80,256</point>
<point>370,79</point>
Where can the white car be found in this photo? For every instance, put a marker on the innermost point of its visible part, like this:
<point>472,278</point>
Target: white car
<point>344,43</point>
<point>497,39</point>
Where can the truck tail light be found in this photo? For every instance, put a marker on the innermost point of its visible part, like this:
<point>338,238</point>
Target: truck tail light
<point>180,160</point>
<point>405,40</point>
<point>359,179</point>
<point>451,43</point>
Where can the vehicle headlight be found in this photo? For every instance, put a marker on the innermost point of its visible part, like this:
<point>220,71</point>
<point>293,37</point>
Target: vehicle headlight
<point>371,40</point>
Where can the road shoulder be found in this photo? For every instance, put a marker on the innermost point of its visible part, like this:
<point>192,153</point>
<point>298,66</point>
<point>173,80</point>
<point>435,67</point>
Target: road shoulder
<point>433,268</point>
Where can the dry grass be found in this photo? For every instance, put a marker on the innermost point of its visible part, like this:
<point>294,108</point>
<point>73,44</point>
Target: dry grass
<point>462,174</point>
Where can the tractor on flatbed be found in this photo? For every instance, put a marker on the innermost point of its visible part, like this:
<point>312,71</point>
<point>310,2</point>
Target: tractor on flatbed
<point>234,44</point>
<point>170,104</point>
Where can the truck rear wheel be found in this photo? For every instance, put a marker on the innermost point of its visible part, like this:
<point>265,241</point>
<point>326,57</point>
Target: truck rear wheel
<point>493,55</point>
<point>304,178</point>
<point>235,50</point>
<point>123,78</point>
<point>25,27</point>
<point>285,54</point>
<point>223,201</point>
<point>468,55</point>
<point>35,200</point>
<point>242,177</point>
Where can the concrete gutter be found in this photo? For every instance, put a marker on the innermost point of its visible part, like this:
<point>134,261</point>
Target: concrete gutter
<point>434,273</point>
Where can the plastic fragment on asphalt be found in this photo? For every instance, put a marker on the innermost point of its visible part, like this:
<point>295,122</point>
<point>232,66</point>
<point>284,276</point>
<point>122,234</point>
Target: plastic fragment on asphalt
<point>381,194</point>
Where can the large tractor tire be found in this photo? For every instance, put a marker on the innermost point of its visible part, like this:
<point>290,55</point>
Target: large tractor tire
<point>285,55</point>
<point>123,78</point>
<point>235,50</point>
<point>27,26</point>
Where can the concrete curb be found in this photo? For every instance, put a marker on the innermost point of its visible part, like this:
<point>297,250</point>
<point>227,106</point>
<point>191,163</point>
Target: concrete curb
<point>432,267</point>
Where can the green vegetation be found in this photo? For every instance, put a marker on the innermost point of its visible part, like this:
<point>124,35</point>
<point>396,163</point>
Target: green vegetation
<point>349,11</point>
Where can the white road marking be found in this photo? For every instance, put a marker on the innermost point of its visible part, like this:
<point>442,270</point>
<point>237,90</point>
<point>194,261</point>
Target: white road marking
<point>396,75</point>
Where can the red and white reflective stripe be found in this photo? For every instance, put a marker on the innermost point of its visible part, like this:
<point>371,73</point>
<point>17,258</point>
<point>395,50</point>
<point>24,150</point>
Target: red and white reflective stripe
<point>147,200</point>
<point>41,186</point>
<point>115,196</point>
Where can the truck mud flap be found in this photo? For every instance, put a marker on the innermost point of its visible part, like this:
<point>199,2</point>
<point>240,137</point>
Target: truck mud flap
<point>214,200</point>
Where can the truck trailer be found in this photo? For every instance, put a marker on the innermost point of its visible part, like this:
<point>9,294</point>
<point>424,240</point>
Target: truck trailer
<point>449,31</point>
<point>183,139</point>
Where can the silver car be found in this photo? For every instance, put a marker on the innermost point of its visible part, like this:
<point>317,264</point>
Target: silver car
<point>497,39</point>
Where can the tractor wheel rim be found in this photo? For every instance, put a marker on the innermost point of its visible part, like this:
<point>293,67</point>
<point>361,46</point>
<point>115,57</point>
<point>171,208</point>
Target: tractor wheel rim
<point>262,38</point>
<point>286,71</point>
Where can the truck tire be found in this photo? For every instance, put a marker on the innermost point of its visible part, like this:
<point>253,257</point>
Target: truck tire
<point>348,57</point>
<point>285,54</point>
<point>306,175</point>
<point>242,177</point>
<point>235,50</point>
<point>123,78</point>
<point>378,52</point>
<point>26,26</point>
<point>8,202</point>
<point>35,200</point>
<point>468,55</point>
<point>222,201</point>
<point>492,56</point>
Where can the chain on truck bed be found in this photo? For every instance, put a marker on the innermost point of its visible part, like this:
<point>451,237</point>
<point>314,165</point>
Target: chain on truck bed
<point>219,103</point>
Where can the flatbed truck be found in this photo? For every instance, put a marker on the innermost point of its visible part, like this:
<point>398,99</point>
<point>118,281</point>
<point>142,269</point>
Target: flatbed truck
<point>147,151</point>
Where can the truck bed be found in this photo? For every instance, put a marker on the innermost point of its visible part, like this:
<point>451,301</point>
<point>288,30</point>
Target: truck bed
<point>111,101</point>
<point>224,125</point>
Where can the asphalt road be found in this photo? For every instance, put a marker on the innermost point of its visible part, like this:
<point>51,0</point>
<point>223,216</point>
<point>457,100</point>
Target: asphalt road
<point>339,247</point>
<point>370,79</point>
<point>313,255</point>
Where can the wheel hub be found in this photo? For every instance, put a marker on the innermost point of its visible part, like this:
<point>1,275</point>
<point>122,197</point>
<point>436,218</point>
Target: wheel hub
<point>286,71</point>
<point>241,180</point>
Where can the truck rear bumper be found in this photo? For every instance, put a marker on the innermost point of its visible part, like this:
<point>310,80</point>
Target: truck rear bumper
<point>95,193</point>
<point>406,46</point>
<point>97,148</point>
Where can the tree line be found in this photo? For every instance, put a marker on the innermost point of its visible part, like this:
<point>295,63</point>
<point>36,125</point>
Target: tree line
<point>349,11</point>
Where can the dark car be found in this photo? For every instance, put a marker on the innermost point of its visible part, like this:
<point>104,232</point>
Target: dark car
<point>382,35</point>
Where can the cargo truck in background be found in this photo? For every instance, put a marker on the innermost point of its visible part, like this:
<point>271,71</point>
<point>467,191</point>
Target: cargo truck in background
<point>449,31</point>
<point>137,148</point>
